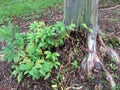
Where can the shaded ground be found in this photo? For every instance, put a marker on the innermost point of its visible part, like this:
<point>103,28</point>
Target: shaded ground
<point>109,21</point>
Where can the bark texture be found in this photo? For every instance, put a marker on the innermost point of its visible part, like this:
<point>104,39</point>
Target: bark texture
<point>81,11</point>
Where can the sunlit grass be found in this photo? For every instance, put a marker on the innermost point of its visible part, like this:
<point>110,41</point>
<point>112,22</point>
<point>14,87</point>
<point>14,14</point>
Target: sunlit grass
<point>18,8</point>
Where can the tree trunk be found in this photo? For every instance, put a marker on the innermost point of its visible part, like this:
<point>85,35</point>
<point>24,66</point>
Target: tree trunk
<point>82,12</point>
<point>79,12</point>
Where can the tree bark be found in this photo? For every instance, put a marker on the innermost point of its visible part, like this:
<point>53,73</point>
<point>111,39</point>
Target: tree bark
<point>81,11</point>
<point>86,12</point>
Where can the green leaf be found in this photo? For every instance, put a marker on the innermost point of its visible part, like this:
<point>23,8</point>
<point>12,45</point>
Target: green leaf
<point>71,27</point>
<point>56,54</point>
<point>35,73</point>
<point>25,67</point>
<point>48,54</point>
<point>16,57</point>
<point>19,77</point>
<point>11,57</point>
<point>14,73</point>
<point>46,66</point>
<point>53,58</point>
<point>75,64</point>
<point>3,32</point>
<point>57,63</point>
<point>85,26</point>
<point>15,30</point>
<point>90,30</point>
<point>47,76</point>
<point>43,73</point>
<point>21,53</point>
<point>33,26</point>
<point>26,72</point>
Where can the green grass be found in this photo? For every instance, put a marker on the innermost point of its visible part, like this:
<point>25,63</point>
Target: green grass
<point>18,8</point>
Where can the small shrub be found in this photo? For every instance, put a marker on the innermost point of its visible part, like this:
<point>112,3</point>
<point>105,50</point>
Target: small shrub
<point>32,53</point>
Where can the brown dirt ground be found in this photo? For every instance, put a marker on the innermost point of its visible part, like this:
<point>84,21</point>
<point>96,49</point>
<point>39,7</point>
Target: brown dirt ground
<point>109,21</point>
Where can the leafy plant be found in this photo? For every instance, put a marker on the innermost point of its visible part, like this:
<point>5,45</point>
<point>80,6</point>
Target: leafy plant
<point>74,64</point>
<point>32,53</point>
<point>112,64</point>
<point>87,28</point>
<point>117,87</point>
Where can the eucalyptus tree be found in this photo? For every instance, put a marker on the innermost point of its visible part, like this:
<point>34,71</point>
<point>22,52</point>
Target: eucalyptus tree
<point>84,13</point>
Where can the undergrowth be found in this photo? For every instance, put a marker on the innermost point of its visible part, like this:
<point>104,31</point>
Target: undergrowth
<point>32,54</point>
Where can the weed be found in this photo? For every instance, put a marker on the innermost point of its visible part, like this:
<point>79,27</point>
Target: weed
<point>32,53</point>
<point>74,64</point>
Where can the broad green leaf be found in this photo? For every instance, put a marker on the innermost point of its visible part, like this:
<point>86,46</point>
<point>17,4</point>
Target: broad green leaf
<point>38,66</point>
<point>53,57</point>
<point>42,72</point>
<point>35,73</point>
<point>46,66</point>
<point>56,54</point>
<point>48,54</point>
<point>3,32</point>
<point>25,67</point>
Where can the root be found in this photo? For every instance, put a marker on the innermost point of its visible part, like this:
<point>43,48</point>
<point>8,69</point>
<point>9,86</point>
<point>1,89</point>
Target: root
<point>91,61</point>
<point>110,8</point>
<point>110,52</point>
<point>110,79</point>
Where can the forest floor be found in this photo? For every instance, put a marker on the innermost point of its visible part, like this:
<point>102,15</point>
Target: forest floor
<point>109,21</point>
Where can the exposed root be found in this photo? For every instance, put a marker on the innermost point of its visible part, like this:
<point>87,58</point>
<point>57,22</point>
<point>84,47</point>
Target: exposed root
<point>110,79</point>
<point>110,52</point>
<point>91,62</point>
<point>110,8</point>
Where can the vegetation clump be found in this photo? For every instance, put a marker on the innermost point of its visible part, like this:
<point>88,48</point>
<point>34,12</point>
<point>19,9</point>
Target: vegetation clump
<point>32,53</point>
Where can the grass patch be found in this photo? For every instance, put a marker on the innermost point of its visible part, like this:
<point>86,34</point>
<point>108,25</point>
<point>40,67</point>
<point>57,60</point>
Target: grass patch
<point>18,8</point>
